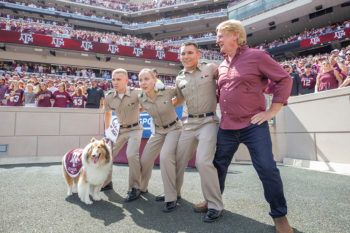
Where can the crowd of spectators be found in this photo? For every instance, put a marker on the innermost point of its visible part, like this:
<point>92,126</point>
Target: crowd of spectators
<point>63,8</point>
<point>26,84</point>
<point>318,73</point>
<point>174,39</point>
<point>191,15</point>
<point>27,67</point>
<point>29,25</point>
<point>308,33</point>
<point>31,89</point>
<point>113,19</point>
<point>127,6</point>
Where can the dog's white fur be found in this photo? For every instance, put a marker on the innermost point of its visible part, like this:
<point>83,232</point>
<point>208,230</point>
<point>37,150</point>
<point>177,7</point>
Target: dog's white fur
<point>95,170</point>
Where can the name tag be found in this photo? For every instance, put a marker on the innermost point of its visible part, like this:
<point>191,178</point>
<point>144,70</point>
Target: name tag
<point>113,131</point>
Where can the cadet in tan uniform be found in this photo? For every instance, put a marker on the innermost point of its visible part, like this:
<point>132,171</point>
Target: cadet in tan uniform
<point>164,140</point>
<point>197,84</point>
<point>123,100</point>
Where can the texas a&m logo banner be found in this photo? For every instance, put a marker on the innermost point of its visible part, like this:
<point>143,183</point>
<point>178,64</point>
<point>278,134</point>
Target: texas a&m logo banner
<point>85,46</point>
<point>58,42</point>
<point>337,35</point>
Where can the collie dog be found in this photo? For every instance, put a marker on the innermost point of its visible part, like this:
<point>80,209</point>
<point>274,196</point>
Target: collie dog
<point>86,170</point>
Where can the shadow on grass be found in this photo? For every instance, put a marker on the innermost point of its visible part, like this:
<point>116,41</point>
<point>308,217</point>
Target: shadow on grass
<point>103,210</point>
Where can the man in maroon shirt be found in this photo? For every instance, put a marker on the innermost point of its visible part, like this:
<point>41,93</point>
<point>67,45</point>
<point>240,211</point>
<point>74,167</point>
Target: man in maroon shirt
<point>243,77</point>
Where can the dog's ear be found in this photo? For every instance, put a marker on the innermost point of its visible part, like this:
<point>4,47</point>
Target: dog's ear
<point>93,139</point>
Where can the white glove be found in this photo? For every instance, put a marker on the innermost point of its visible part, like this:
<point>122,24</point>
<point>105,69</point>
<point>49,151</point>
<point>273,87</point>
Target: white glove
<point>159,85</point>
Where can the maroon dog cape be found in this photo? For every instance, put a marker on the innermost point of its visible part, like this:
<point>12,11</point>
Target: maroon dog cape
<point>72,162</point>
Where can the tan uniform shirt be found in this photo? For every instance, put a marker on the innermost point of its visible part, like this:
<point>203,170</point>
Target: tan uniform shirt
<point>198,88</point>
<point>161,109</point>
<point>127,108</point>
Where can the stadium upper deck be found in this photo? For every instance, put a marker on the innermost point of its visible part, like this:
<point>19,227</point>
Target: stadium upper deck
<point>266,21</point>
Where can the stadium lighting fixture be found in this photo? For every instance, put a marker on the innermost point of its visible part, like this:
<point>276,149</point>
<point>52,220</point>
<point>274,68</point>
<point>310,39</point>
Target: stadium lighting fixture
<point>38,50</point>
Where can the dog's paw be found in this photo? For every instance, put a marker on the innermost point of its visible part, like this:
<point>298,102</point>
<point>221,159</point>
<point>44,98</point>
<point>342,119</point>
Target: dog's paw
<point>97,198</point>
<point>88,202</point>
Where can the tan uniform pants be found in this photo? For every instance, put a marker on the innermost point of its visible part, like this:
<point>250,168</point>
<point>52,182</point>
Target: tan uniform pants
<point>133,138</point>
<point>165,144</point>
<point>204,140</point>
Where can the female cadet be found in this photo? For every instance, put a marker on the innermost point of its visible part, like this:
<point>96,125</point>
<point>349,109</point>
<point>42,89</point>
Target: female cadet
<point>158,103</point>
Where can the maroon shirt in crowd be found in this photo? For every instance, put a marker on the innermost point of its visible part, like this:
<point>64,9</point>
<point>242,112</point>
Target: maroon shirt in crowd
<point>307,83</point>
<point>45,102</point>
<point>62,99</point>
<point>103,86</point>
<point>328,81</point>
<point>16,99</point>
<point>78,101</point>
<point>242,83</point>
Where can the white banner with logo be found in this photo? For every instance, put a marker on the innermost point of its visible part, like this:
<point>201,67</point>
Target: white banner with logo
<point>113,131</point>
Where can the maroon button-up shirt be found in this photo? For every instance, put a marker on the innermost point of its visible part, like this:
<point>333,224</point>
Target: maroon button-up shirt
<point>242,83</point>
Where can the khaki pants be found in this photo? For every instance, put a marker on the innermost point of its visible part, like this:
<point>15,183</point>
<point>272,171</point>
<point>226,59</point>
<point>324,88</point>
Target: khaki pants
<point>165,144</point>
<point>204,140</point>
<point>133,138</point>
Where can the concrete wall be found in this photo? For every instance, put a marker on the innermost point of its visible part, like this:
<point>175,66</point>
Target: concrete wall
<point>316,127</point>
<point>45,132</point>
<point>313,127</point>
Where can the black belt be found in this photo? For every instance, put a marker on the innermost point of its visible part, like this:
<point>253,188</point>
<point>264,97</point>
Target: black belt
<point>128,126</point>
<point>201,115</point>
<point>167,126</point>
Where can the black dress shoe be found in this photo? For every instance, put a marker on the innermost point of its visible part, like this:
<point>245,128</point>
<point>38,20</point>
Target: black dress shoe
<point>161,197</point>
<point>212,215</point>
<point>169,206</point>
<point>109,186</point>
<point>144,192</point>
<point>133,194</point>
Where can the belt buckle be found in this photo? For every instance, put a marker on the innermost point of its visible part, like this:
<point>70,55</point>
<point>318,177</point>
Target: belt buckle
<point>195,116</point>
<point>124,125</point>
